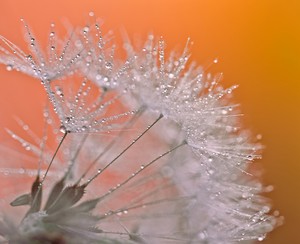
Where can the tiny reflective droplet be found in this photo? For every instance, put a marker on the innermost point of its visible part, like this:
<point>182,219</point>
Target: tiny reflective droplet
<point>63,129</point>
<point>9,67</point>
<point>250,157</point>
<point>86,29</point>
<point>261,238</point>
<point>171,76</point>
<point>108,65</point>
<point>25,127</point>
<point>224,111</point>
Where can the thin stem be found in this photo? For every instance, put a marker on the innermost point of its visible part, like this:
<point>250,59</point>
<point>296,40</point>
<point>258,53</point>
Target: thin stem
<point>113,142</point>
<point>156,236</point>
<point>142,168</point>
<point>151,193</point>
<point>73,160</point>
<point>142,205</point>
<point>121,153</point>
<point>39,188</point>
<point>43,144</point>
<point>54,155</point>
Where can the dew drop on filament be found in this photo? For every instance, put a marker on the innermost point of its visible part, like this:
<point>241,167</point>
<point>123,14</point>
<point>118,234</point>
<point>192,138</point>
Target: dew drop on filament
<point>63,129</point>
<point>9,67</point>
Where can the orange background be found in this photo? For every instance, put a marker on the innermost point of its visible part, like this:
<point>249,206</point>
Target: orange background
<point>257,43</point>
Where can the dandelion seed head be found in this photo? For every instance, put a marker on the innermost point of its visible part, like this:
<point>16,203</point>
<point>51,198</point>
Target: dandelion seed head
<point>153,150</point>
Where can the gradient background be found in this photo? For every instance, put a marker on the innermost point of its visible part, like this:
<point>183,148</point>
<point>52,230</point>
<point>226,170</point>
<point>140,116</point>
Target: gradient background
<point>258,46</point>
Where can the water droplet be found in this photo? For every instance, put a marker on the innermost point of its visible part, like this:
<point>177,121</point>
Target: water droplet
<point>59,92</point>
<point>258,136</point>
<point>224,111</point>
<point>68,119</point>
<point>98,77</point>
<point>171,75</point>
<point>269,188</point>
<point>63,129</point>
<point>250,157</point>
<point>9,67</point>
<point>108,65</point>
<point>202,235</point>
<point>25,127</point>
<point>86,29</point>
<point>261,238</point>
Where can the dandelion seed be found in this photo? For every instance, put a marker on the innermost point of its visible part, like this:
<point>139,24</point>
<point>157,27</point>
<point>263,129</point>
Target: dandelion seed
<point>99,64</point>
<point>85,109</point>
<point>35,62</point>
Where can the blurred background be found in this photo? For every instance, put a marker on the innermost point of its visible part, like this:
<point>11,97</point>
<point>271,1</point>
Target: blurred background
<point>256,42</point>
